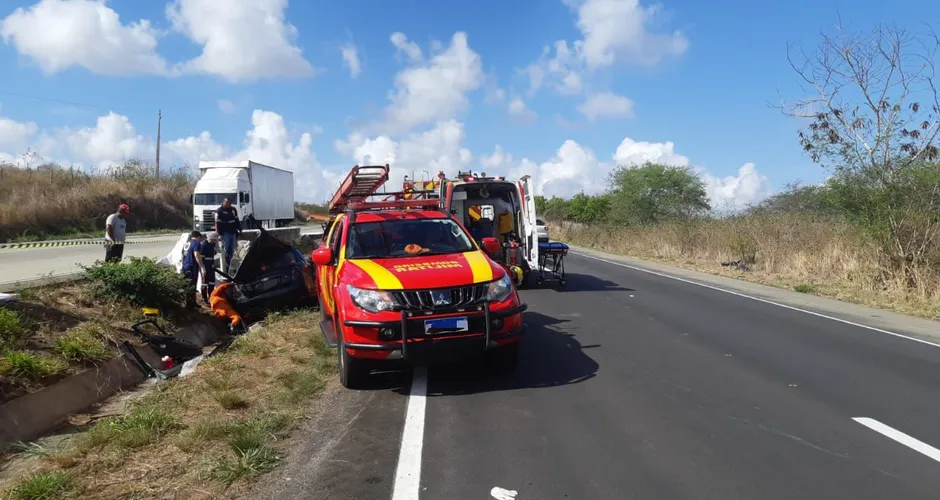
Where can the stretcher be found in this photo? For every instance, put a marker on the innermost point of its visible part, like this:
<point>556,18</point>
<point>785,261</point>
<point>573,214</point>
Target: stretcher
<point>552,263</point>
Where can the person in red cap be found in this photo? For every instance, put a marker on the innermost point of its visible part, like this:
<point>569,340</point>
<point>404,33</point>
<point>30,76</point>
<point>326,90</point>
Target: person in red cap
<point>115,232</point>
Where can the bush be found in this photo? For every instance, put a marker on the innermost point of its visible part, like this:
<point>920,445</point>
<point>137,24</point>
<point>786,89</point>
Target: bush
<point>11,328</point>
<point>139,281</point>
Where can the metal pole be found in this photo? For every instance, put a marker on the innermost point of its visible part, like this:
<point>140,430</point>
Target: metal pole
<point>159,123</point>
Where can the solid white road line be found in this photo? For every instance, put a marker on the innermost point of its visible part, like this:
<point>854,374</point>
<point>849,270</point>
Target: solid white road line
<point>739,294</point>
<point>408,473</point>
<point>911,442</point>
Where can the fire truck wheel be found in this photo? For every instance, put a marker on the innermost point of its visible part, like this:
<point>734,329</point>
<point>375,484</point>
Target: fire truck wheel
<point>353,373</point>
<point>504,360</point>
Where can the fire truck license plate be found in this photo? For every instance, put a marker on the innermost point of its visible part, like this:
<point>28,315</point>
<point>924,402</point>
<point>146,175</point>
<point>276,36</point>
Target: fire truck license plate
<point>446,325</point>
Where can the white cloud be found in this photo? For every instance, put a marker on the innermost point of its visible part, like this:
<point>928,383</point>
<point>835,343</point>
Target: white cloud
<point>419,154</point>
<point>575,169</point>
<point>431,90</point>
<point>619,29</point>
<point>519,111</point>
<point>112,141</point>
<point>351,59</point>
<point>606,104</point>
<point>612,31</point>
<point>16,136</point>
<point>226,106</point>
<point>411,49</point>
<point>632,153</point>
<point>736,192</point>
<point>60,34</point>
<point>242,41</point>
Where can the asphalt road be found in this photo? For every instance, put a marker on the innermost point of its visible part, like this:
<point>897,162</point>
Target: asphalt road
<point>633,385</point>
<point>33,263</point>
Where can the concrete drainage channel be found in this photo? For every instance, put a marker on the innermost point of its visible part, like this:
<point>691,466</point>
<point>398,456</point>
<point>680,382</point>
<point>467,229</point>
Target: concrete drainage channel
<point>40,413</point>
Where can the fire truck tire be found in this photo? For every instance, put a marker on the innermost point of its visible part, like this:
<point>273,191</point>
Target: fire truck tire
<point>503,360</point>
<point>353,373</point>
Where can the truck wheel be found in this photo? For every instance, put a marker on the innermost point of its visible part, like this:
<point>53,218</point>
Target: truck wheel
<point>505,359</point>
<point>353,373</point>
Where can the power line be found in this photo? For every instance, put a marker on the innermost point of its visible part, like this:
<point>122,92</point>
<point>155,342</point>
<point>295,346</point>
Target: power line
<point>71,103</point>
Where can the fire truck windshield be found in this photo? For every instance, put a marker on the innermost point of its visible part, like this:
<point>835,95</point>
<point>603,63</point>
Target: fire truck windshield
<point>406,238</point>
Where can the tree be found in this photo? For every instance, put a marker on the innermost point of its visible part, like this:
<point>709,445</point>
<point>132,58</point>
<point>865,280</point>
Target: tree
<point>797,199</point>
<point>875,120</point>
<point>655,193</point>
<point>875,106</point>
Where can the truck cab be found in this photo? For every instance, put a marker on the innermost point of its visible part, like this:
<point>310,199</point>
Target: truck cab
<point>263,195</point>
<point>404,280</point>
<point>496,207</point>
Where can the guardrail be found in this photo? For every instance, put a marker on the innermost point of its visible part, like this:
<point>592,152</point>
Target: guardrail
<point>84,241</point>
<point>289,234</point>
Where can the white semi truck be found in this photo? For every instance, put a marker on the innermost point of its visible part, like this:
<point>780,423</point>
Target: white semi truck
<point>263,195</point>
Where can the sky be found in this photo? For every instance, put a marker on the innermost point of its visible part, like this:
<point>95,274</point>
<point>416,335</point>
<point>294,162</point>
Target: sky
<point>562,90</point>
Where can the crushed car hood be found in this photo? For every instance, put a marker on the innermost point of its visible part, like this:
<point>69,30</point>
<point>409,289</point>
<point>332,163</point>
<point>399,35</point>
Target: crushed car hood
<point>407,273</point>
<point>264,254</point>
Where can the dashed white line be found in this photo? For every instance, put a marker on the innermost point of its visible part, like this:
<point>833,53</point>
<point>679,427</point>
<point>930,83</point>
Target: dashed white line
<point>408,472</point>
<point>911,442</point>
<point>503,494</point>
<point>739,294</point>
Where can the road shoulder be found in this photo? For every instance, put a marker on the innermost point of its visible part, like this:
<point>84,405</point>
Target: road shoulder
<point>919,328</point>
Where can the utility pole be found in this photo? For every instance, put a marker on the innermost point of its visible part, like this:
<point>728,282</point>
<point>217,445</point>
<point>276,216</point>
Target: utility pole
<point>159,123</point>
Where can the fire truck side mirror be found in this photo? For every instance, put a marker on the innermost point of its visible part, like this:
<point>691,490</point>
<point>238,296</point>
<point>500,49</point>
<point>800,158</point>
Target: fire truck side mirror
<point>491,245</point>
<point>322,256</point>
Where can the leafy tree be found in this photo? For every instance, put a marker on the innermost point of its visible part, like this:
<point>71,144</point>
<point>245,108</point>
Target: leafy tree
<point>655,193</point>
<point>875,121</point>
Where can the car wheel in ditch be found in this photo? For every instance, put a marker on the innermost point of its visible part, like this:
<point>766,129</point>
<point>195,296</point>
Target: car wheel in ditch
<point>353,373</point>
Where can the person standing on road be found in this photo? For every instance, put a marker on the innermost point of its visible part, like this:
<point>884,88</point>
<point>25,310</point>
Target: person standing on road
<point>227,226</point>
<point>207,264</point>
<point>115,232</point>
<point>191,264</point>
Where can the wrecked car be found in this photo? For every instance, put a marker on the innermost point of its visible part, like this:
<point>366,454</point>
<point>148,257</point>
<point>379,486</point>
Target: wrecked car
<point>272,275</point>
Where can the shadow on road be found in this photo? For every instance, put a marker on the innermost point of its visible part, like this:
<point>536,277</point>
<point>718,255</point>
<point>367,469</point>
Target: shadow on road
<point>582,283</point>
<point>550,357</point>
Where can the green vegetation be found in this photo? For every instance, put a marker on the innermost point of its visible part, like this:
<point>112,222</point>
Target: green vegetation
<point>12,329</point>
<point>212,430</point>
<point>83,344</point>
<point>27,365</point>
<point>43,486</point>
<point>140,281</point>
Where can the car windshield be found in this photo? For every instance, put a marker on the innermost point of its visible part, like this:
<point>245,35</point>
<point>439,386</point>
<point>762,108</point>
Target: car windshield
<point>405,238</point>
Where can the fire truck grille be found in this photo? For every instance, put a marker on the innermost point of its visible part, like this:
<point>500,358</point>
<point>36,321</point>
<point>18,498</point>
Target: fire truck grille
<point>440,298</point>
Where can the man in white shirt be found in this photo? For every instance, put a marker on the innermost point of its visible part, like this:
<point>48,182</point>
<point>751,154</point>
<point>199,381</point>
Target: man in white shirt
<point>115,232</point>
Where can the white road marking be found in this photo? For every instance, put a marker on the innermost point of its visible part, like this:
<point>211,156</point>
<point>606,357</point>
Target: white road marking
<point>503,494</point>
<point>408,473</point>
<point>911,442</point>
<point>739,294</point>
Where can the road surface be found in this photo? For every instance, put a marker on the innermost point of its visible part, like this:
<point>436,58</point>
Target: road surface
<point>33,263</point>
<point>636,385</point>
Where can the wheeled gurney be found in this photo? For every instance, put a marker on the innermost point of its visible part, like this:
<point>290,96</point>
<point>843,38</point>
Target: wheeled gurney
<point>552,262</point>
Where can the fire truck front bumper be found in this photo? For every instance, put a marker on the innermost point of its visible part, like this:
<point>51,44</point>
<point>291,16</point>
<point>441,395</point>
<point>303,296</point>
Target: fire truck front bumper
<point>440,335</point>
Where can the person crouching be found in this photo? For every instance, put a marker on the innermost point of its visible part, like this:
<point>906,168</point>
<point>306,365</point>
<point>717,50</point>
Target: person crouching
<point>192,265</point>
<point>207,251</point>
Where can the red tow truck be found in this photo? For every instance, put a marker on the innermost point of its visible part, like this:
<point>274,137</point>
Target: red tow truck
<point>401,278</point>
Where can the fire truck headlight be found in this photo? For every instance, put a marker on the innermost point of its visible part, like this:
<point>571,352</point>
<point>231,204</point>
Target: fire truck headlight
<point>373,301</point>
<point>499,290</point>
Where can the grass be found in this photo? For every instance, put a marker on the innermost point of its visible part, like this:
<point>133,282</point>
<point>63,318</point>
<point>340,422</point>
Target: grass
<point>83,344</point>
<point>50,200</point>
<point>26,365</point>
<point>43,486</point>
<point>214,430</point>
<point>809,255</point>
<point>12,328</point>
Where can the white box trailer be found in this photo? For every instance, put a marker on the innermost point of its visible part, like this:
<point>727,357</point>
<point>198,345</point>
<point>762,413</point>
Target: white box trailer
<point>259,191</point>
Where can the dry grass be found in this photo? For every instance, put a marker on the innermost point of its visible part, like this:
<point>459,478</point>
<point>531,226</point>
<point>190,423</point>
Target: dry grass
<point>811,256</point>
<point>191,437</point>
<point>54,201</point>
